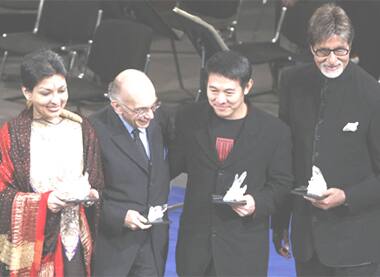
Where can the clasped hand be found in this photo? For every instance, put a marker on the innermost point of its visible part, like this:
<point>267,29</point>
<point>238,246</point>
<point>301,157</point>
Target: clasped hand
<point>68,190</point>
<point>134,221</point>
<point>281,242</point>
<point>334,198</point>
<point>56,203</point>
<point>245,209</point>
<point>236,193</point>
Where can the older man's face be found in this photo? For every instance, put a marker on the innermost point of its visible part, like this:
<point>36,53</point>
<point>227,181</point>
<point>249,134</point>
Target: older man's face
<point>331,56</point>
<point>136,100</point>
<point>138,108</point>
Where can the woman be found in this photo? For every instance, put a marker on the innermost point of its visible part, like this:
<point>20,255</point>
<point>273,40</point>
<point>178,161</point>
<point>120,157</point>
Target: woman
<point>50,175</point>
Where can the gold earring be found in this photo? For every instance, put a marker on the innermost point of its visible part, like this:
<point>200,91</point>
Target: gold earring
<point>28,103</point>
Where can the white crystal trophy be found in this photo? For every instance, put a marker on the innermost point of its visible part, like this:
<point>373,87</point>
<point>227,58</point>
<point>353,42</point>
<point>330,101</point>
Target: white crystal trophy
<point>156,213</point>
<point>317,184</point>
<point>236,192</point>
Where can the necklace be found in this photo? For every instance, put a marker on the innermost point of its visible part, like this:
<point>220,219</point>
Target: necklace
<point>43,120</point>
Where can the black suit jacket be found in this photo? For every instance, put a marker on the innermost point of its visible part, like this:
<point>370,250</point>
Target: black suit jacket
<point>238,245</point>
<point>129,184</point>
<point>349,234</point>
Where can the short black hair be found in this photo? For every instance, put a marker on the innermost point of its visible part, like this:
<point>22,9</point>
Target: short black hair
<point>39,65</point>
<point>231,65</point>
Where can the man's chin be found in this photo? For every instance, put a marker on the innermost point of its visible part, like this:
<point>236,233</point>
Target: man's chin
<point>221,110</point>
<point>222,114</point>
<point>143,125</point>
<point>332,73</point>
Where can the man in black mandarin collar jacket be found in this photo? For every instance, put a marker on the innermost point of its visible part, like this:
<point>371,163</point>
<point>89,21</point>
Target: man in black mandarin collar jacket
<point>333,110</point>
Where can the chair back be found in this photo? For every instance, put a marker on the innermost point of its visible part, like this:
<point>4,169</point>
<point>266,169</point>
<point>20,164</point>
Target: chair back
<point>119,45</point>
<point>146,14</point>
<point>221,9</point>
<point>69,21</point>
<point>202,35</point>
<point>20,4</point>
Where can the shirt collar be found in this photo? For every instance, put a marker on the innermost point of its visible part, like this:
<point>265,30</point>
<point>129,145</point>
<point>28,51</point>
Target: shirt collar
<point>129,127</point>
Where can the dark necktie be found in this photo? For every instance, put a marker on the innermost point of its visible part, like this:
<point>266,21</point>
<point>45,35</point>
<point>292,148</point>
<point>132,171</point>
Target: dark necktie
<point>139,143</point>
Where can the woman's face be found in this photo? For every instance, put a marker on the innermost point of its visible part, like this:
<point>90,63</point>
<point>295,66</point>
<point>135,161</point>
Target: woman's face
<point>48,97</point>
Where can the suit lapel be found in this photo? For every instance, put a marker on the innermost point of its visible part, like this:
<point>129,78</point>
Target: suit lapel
<point>202,135</point>
<point>124,141</point>
<point>152,136</point>
<point>129,148</point>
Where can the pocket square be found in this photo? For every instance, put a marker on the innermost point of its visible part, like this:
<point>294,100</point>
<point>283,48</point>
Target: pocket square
<point>351,127</point>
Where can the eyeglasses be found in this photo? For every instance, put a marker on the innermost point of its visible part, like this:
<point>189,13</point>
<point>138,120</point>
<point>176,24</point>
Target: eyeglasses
<point>324,52</point>
<point>141,111</point>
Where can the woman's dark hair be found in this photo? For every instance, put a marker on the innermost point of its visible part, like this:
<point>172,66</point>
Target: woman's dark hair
<point>39,65</point>
<point>231,65</point>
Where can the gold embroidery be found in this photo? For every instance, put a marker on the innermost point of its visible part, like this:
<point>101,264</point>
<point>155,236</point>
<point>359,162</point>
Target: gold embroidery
<point>47,270</point>
<point>5,249</point>
<point>24,216</point>
<point>85,238</point>
<point>70,230</point>
<point>16,256</point>
<point>19,253</point>
<point>70,115</point>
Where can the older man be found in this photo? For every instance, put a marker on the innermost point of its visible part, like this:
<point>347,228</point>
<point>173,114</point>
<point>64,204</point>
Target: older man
<point>136,178</point>
<point>333,110</point>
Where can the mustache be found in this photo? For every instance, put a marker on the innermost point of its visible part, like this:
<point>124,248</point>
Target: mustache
<point>327,64</point>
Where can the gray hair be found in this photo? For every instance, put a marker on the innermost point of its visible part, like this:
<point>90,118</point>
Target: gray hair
<point>329,20</point>
<point>113,90</point>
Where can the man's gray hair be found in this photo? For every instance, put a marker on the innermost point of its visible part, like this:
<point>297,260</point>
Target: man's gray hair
<point>329,20</point>
<point>113,90</point>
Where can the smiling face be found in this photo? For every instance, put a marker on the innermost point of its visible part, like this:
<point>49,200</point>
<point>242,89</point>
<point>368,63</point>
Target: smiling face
<point>226,96</point>
<point>48,98</point>
<point>332,65</point>
<point>130,106</point>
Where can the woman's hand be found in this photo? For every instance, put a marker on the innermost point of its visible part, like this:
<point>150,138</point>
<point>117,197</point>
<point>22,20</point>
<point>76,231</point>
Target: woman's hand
<point>55,203</point>
<point>92,196</point>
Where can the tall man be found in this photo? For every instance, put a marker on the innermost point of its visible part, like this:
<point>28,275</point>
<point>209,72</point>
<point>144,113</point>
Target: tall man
<point>136,177</point>
<point>214,141</point>
<point>333,109</point>
<point>364,15</point>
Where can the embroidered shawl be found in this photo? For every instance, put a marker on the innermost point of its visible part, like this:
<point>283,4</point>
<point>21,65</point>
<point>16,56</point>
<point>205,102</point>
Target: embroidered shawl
<point>30,244</point>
